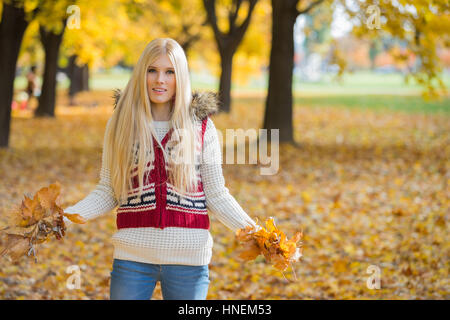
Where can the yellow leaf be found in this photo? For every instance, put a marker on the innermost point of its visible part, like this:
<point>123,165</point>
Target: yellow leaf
<point>306,197</point>
<point>340,266</point>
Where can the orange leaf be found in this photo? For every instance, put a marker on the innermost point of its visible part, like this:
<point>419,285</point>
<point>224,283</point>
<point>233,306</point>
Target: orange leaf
<point>250,251</point>
<point>28,206</point>
<point>47,195</point>
<point>296,237</point>
<point>76,218</point>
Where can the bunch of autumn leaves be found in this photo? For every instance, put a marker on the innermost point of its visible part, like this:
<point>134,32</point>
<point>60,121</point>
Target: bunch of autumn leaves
<point>34,222</point>
<point>271,242</point>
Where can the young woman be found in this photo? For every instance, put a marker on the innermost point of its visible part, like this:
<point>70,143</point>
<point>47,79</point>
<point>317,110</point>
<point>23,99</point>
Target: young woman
<point>161,164</point>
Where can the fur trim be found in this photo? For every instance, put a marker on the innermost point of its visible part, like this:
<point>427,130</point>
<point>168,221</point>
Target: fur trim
<point>204,103</point>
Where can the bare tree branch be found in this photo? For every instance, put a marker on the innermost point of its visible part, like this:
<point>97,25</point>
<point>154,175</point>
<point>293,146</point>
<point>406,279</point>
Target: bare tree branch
<point>246,22</point>
<point>210,7</point>
<point>232,15</point>
<point>310,7</point>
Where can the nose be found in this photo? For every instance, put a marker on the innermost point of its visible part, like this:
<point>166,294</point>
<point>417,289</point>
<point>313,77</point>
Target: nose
<point>160,78</point>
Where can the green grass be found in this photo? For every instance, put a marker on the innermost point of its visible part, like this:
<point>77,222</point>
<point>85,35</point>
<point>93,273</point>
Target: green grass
<point>381,92</point>
<point>361,82</point>
<point>381,103</point>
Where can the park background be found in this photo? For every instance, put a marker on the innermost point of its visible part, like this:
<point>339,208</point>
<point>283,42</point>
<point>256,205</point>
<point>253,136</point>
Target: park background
<point>364,154</point>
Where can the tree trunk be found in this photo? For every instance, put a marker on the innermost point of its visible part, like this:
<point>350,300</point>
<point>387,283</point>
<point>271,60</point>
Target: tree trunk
<point>79,78</point>
<point>12,29</point>
<point>225,79</point>
<point>227,43</point>
<point>278,113</point>
<point>51,43</point>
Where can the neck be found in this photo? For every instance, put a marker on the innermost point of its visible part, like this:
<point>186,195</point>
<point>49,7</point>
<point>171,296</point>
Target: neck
<point>161,111</point>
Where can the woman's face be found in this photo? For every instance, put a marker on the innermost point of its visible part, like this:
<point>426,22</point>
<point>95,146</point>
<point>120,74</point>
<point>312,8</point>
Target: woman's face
<point>161,83</point>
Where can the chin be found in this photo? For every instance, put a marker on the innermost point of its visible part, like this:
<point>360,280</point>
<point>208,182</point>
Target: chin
<point>159,100</point>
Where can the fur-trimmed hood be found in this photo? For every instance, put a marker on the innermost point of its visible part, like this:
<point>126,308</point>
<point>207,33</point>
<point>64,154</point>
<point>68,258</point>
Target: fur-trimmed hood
<point>204,103</point>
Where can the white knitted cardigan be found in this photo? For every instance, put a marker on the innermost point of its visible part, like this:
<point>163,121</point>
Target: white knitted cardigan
<point>171,245</point>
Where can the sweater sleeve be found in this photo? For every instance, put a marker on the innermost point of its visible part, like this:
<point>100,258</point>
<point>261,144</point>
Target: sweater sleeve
<point>218,198</point>
<point>101,200</point>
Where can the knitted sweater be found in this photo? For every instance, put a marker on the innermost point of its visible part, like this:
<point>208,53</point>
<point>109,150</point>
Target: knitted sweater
<point>171,245</point>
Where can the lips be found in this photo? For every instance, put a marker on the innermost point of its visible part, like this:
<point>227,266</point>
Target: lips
<point>159,89</point>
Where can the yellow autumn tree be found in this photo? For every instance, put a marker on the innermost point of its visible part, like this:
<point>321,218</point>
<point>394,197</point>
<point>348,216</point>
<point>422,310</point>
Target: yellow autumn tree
<point>422,25</point>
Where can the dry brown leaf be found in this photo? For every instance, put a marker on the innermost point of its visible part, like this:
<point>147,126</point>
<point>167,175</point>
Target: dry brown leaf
<point>16,246</point>
<point>36,220</point>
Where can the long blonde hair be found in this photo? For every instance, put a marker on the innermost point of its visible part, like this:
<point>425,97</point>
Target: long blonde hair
<point>129,132</point>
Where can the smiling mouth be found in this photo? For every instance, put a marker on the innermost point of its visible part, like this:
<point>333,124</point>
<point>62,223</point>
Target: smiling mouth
<point>159,90</point>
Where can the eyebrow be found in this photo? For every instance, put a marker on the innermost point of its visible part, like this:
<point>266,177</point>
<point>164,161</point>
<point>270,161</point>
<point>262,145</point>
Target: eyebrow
<point>158,68</point>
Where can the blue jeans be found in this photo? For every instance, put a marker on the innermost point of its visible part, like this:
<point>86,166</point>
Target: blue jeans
<point>131,280</point>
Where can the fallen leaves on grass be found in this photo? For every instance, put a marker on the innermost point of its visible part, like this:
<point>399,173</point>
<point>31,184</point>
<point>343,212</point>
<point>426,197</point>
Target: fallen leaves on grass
<point>389,169</point>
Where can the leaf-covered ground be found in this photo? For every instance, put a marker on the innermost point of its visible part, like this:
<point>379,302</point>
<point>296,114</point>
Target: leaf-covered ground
<point>367,189</point>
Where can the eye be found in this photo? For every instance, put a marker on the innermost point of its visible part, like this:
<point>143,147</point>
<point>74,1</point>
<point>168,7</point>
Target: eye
<point>171,71</point>
<point>150,70</point>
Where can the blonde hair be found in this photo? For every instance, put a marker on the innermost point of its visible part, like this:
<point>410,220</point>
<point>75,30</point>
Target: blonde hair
<point>129,132</point>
